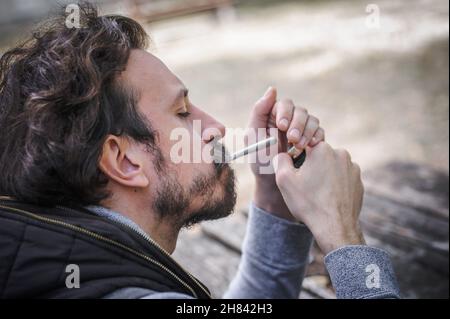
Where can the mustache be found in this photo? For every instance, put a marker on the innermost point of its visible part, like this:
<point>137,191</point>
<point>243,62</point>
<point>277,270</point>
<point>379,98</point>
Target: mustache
<point>220,156</point>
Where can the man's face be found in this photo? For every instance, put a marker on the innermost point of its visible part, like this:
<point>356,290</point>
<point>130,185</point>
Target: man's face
<point>189,191</point>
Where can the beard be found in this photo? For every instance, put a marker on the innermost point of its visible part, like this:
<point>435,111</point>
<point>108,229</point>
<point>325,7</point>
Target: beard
<point>173,201</point>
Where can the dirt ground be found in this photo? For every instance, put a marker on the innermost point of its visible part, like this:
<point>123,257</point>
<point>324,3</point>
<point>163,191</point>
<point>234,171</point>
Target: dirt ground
<point>381,93</point>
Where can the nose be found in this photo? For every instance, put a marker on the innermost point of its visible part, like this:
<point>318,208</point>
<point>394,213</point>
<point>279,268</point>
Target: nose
<point>211,128</point>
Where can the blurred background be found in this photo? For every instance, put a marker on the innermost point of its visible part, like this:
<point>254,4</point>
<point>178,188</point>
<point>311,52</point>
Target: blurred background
<point>375,73</point>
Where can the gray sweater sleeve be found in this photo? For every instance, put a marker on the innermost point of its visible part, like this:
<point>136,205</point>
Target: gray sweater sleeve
<point>362,272</point>
<point>274,258</point>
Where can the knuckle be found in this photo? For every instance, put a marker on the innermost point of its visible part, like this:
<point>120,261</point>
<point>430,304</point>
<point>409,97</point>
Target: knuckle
<point>282,176</point>
<point>360,187</point>
<point>301,109</point>
<point>357,173</point>
<point>343,154</point>
<point>276,105</point>
<point>298,119</point>
<point>348,157</point>
<point>308,134</point>
<point>323,149</point>
<point>287,102</point>
<point>320,133</point>
<point>339,152</point>
<point>314,120</point>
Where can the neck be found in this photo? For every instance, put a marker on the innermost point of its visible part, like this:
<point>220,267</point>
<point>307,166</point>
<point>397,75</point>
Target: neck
<point>163,232</point>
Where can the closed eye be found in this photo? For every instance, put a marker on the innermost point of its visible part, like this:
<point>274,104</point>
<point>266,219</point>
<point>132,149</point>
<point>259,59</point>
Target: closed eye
<point>185,114</point>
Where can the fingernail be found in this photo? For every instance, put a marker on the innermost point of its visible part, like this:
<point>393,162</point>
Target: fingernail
<point>294,134</point>
<point>303,142</point>
<point>283,124</point>
<point>266,95</point>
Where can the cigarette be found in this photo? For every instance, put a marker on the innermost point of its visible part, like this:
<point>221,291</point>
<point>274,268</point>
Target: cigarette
<point>253,148</point>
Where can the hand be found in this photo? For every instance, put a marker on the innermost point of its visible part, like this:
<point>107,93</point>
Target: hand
<point>325,193</point>
<point>295,126</point>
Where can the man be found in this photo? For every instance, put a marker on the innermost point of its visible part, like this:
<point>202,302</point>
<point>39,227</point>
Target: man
<point>90,188</point>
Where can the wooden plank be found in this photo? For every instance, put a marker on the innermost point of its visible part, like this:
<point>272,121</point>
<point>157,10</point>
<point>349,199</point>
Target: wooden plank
<point>319,286</point>
<point>229,231</point>
<point>208,260</point>
<point>405,212</point>
<point>414,279</point>
<point>413,185</point>
<point>424,239</point>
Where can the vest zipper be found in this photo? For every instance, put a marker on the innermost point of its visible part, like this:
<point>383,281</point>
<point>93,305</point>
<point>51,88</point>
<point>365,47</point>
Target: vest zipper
<point>110,242</point>
<point>153,243</point>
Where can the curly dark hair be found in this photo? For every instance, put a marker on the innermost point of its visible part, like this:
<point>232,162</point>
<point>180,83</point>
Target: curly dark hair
<point>59,99</point>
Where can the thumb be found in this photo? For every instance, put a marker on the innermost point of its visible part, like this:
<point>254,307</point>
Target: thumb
<point>283,162</point>
<point>262,109</point>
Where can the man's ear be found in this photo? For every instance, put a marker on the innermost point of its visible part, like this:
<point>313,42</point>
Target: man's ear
<point>122,161</point>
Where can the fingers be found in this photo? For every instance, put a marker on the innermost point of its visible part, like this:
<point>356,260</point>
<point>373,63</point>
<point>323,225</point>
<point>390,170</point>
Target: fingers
<point>284,169</point>
<point>262,109</point>
<point>343,156</point>
<point>312,125</point>
<point>346,160</point>
<point>322,150</point>
<point>318,137</point>
<point>301,129</point>
<point>305,130</point>
<point>283,112</point>
<point>297,127</point>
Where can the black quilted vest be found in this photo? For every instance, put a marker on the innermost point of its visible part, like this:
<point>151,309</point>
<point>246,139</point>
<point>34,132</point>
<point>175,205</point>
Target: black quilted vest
<point>38,243</point>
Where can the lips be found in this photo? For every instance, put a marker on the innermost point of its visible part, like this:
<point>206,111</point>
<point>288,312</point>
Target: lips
<point>219,153</point>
